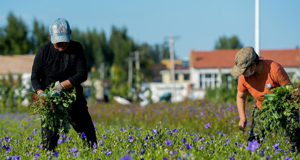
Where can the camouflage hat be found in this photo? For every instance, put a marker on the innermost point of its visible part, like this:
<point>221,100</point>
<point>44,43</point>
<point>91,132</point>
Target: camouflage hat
<point>243,59</point>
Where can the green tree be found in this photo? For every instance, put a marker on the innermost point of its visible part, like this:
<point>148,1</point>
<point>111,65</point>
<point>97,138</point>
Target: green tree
<point>121,46</point>
<point>228,43</point>
<point>13,37</point>
<point>40,35</point>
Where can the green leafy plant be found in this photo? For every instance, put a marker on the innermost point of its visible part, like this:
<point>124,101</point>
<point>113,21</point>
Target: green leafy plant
<point>280,111</point>
<point>53,110</point>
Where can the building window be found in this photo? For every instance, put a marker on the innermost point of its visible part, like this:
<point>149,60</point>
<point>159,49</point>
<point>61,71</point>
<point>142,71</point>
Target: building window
<point>208,80</point>
<point>186,76</point>
<point>176,77</point>
<point>185,63</point>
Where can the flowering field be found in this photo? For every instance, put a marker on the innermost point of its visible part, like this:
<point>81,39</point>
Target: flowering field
<point>189,130</point>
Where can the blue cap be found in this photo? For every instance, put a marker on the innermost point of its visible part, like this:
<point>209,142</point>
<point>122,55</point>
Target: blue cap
<point>60,31</point>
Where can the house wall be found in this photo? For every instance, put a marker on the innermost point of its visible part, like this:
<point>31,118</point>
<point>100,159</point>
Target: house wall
<point>295,71</point>
<point>158,89</point>
<point>166,78</point>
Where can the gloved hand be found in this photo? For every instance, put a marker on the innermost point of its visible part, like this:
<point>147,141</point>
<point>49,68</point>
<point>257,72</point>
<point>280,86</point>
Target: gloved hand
<point>57,89</point>
<point>41,94</point>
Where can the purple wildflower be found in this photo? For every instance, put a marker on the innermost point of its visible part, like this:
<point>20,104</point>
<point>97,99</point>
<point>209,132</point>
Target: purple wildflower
<point>33,132</point>
<point>55,154</point>
<point>127,157</point>
<point>165,158</point>
<point>101,142</point>
<point>27,152</point>
<point>104,136</point>
<point>201,146</point>
<point>37,154</point>
<point>39,146</point>
<point>128,151</point>
<point>49,157</point>
<point>95,145</point>
<point>252,146</point>
<point>195,139</point>
<point>146,138</point>
<point>276,147</point>
<point>155,131</point>
<point>142,151</point>
<point>151,137</point>
<point>7,148</point>
<point>189,146</point>
<point>130,138</point>
<point>63,138</point>
<point>8,157</point>
<point>287,158</point>
<point>76,154</point>
<point>108,153</point>
<point>83,136</point>
<point>7,139</point>
<point>72,150</point>
<point>231,158</point>
<point>153,145</point>
<point>122,130</point>
<point>168,142</point>
<point>207,126</point>
<point>16,157</point>
<point>262,152</point>
<point>183,140</point>
<point>174,130</point>
<point>226,140</point>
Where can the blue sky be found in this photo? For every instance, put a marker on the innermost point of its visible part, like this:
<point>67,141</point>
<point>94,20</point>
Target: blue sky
<point>199,23</point>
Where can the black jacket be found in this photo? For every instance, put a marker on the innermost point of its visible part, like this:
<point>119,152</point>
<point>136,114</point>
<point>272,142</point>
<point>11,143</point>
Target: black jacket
<point>51,65</point>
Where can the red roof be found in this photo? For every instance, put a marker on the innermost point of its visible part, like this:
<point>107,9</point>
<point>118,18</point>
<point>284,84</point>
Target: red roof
<point>225,58</point>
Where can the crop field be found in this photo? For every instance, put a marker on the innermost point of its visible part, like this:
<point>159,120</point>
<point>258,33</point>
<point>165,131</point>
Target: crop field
<point>188,130</point>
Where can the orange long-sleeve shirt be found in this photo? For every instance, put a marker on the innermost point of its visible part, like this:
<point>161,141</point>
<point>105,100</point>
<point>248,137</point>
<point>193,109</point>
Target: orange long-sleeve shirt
<point>272,75</point>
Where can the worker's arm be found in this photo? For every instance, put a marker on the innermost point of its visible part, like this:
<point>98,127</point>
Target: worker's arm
<point>241,101</point>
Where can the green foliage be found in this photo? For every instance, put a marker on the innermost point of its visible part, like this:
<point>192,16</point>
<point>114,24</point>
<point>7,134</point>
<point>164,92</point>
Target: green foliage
<point>12,93</point>
<point>121,45</point>
<point>228,43</point>
<point>150,127</point>
<point>226,92</point>
<point>13,37</point>
<point>53,110</point>
<point>40,36</point>
<point>280,112</point>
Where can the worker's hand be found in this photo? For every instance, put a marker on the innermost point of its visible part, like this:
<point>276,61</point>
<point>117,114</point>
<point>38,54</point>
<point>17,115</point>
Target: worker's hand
<point>57,89</point>
<point>41,94</point>
<point>242,124</point>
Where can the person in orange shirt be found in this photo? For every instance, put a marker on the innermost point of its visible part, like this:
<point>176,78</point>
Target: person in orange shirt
<point>257,76</point>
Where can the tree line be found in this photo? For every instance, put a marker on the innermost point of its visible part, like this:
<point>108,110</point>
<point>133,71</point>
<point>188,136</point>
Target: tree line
<point>111,51</point>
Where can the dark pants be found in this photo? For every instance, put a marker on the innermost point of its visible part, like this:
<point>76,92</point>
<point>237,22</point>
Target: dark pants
<point>256,135</point>
<point>82,124</point>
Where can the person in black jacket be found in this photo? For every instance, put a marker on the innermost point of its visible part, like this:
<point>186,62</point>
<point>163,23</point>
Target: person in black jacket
<point>62,61</point>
